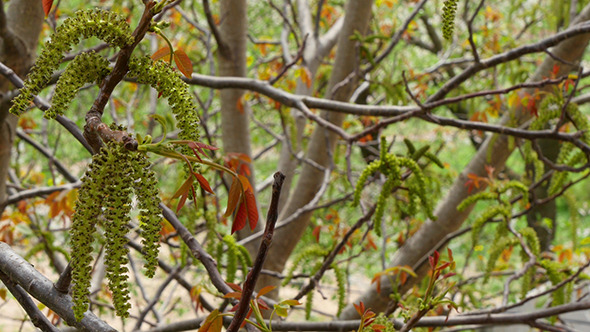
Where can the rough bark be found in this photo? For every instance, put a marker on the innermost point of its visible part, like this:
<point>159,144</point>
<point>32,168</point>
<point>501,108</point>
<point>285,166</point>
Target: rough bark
<point>449,219</point>
<point>322,142</point>
<point>20,26</point>
<point>235,123</point>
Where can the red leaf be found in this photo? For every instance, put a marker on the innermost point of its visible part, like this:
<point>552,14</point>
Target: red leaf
<point>182,192</point>
<point>316,233</point>
<point>240,105</point>
<point>233,286</point>
<point>47,6</point>
<point>250,201</point>
<point>203,183</point>
<point>183,63</point>
<point>262,304</point>
<point>233,295</point>
<point>233,198</point>
<point>161,53</point>
<point>240,218</point>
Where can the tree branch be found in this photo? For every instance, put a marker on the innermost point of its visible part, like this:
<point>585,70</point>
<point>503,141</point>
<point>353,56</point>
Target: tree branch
<point>250,283</point>
<point>24,274</point>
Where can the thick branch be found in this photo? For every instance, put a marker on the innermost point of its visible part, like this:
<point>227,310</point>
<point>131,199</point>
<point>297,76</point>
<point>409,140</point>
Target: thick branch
<point>24,274</point>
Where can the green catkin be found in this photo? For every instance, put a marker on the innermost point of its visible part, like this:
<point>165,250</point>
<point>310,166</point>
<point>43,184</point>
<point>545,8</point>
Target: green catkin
<point>308,304</point>
<point>85,68</point>
<point>160,76</point>
<point>360,184</point>
<point>105,25</point>
<point>113,176</point>
<point>232,258</point>
<point>309,252</point>
<point>244,258</point>
<point>495,252</point>
<point>340,275</point>
<point>83,227</point>
<point>481,196</point>
<point>448,16</point>
<point>390,165</point>
<point>485,216</point>
<point>555,276</point>
<point>145,185</point>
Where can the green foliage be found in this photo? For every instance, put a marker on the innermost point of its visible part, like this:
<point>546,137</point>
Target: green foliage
<point>103,24</point>
<point>390,166</point>
<point>556,275</point>
<point>111,178</point>
<point>551,110</point>
<point>382,320</point>
<point>312,251</point>
<point>448,16</point>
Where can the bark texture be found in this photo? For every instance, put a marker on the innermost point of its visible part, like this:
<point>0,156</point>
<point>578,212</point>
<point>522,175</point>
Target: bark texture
<point>235,120</point>
<point>322,141</point>
<point>316,48</point>
<point>494,152</point>
<point>20,26</point>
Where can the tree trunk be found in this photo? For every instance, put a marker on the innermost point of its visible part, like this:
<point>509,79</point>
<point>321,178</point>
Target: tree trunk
<point>315,50</point>
<point>494,152</point>
<point>20,27</point>
<point>321,144</point>
<point>235,117</point>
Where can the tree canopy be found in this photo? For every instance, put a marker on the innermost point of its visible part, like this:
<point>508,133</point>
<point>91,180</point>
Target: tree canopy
<point>304,165</point>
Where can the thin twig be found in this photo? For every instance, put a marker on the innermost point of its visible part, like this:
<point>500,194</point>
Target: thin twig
<point>250,283</point>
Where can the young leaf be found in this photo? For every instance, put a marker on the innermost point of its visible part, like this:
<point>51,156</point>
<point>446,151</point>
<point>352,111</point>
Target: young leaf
<point>182,192</point>
<point>213,322</point>
<point>203,183</point>
<point>265,290</point>
<point>183,63</point>
<point>240,218</point>
<point>161,53</point>
<point>250,202</point>
<point>233,198</point>
<point>47,6</point>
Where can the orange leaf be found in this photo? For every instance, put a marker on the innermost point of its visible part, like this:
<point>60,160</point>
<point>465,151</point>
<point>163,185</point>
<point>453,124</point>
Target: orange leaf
<point>245,183</point>
<point>265,290</point>
<point>233,295</point>
<point>161,53</point>
<point>183,63</point>
<point>212,323</point>
<point>47,6</point>
<point>240,218</point>
<point>182,192</point>
<point>240,105</point>
<point>203,183</point>
<point>250,201</point>
<point>233,198</point>
<point>306,77</point>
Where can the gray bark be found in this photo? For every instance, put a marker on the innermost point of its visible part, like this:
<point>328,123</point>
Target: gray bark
<point>315,50</point>
<point>23,273</point>
<point>321,144</point>
<point>20,26</point>
<point>448,218</point>
<point>235,124</point>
